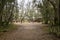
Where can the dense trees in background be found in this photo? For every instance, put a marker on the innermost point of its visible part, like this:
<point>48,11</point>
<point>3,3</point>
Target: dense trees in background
<point>10,11</point>
<point>28,11</point>
<point>7,11</point>
<point>50,14</point>
<point>48,10</point>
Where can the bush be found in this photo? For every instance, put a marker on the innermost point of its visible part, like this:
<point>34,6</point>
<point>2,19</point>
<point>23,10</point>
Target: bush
<point>10,27</point>
<point>55,30</point>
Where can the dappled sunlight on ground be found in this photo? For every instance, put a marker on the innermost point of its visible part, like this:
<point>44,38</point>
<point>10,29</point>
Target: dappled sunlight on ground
<point>28,23</point>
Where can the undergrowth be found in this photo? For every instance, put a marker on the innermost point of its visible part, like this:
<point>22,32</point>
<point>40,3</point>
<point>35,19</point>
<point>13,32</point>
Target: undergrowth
<point>55,30</point>
<point>10,27</point>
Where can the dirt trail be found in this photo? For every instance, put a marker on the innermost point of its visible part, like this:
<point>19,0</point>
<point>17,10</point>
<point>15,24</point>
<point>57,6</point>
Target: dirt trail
<point>29,31</point>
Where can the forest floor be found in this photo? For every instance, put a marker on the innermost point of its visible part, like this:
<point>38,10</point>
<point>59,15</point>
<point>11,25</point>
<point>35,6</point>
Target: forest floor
<point>29,31</point>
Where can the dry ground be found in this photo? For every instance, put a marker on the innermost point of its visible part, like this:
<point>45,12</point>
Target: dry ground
<point>28,31</point>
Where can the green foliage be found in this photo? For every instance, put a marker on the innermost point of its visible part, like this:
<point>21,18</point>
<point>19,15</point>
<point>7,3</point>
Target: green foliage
<point>54,30</point>
<point>50,13</point>
<point>8,28</point>
<point>7,11</point>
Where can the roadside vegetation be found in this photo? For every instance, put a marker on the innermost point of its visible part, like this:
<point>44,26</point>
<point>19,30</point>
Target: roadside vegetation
<point>45,11</point>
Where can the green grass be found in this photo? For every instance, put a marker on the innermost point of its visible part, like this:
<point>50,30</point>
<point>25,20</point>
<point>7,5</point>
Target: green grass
<point>8,28</point>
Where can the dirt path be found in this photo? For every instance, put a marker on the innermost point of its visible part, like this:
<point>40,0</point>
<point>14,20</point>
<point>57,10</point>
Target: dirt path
<point>30,31</point>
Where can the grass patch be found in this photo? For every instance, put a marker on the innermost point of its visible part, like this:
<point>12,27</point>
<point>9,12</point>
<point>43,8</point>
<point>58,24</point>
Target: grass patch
<point>10,27</point>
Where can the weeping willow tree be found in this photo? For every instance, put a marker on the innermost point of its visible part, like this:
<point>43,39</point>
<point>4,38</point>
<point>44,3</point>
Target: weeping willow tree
<point>7,11</point>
